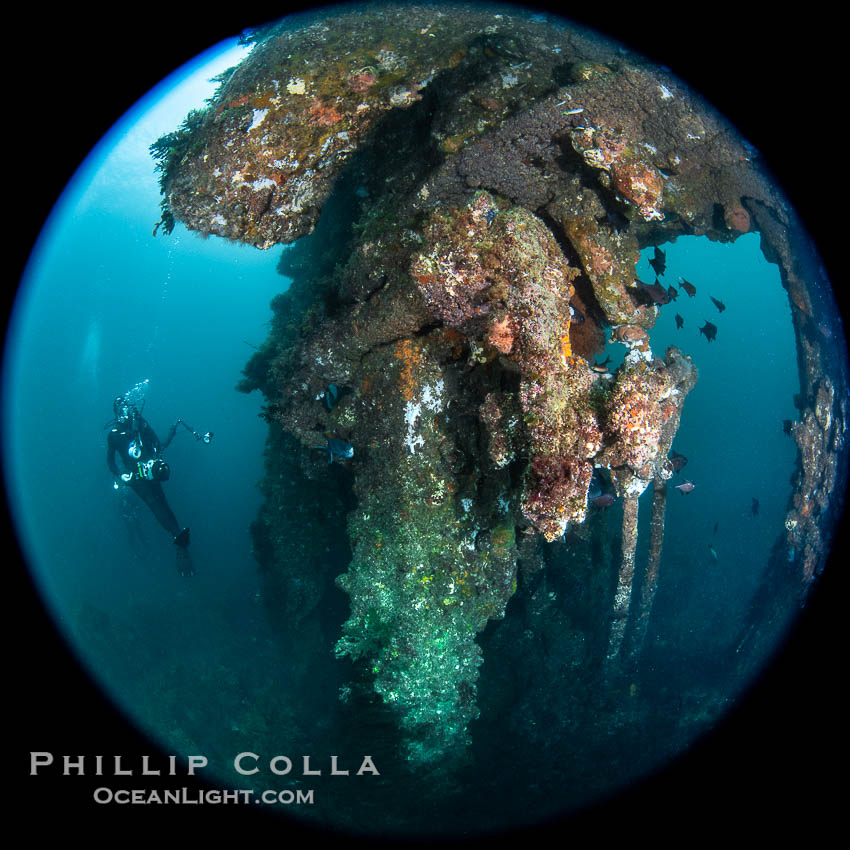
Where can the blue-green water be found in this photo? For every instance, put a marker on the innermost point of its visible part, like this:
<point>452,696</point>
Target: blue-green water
<point>104,305</point>
<point>731,432</point>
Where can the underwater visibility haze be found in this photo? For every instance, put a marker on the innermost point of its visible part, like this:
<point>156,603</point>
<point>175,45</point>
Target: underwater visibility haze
<point>442,393</point>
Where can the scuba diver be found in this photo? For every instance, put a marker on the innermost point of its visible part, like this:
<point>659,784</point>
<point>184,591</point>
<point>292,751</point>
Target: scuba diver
<point>139,448</point>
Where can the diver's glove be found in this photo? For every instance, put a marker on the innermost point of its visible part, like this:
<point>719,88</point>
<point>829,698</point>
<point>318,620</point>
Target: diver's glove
<point>122,481</point>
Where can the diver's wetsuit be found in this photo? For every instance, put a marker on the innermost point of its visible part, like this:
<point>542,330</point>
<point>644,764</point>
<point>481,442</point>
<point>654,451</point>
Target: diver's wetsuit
<point>120,441</point>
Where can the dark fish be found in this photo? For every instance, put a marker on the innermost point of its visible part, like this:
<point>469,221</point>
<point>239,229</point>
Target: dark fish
<point>687,487</point>
<point>599,493</point>
<point>709,330</point>
<point>655,291</point>
<point>680,322</point>
<point>618,222</point>
<point>672,292</point>
<point>594,491</point>
<point>677,461</point>
<point>716,526</point>
<point>688,287</point>
<point>337,448</point>
<point>659,261</point>
<point>719,304</point>
<point>787,426</point>
<point>602,367</point>
<point>755,508</point>
<point>331,396</point>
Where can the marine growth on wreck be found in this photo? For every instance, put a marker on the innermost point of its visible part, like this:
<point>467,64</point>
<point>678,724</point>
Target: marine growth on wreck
<point>468,190</point>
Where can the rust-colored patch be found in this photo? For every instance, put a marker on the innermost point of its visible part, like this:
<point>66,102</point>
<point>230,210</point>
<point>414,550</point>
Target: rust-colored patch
<point>490,103</point>
<point>457,57</point>
<point>456,340</point>
<point>501,335</point>
<point>641,184</point>
<point>362,82</point>
<point>323,115</point>
<point>244,100</point>
<point>502,536</point>
<point>797,293</point>
<point>410,356</point>
<point>631,333</point>
<point>737,218</point>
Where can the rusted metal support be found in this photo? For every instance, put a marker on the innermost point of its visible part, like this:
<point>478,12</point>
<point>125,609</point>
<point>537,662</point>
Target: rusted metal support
<point>679,376</point>
<point>623,594</point>
<point>650,582</point>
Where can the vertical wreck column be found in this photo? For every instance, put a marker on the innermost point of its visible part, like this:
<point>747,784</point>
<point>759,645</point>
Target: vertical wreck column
<point>656,541</point>
<point>680,376</point>
<point>643,417</point>
<point>623,594</point>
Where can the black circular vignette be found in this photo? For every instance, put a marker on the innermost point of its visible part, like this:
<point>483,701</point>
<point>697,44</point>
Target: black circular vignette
<point>767,767</point>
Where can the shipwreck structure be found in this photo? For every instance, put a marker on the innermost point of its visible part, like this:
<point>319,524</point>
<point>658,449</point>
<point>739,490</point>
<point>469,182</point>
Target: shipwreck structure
<point>470,191</point>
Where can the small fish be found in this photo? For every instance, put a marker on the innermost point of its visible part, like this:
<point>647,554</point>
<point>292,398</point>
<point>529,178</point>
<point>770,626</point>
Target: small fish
<point>331,396</point>
<point>754,510</point>
<point>656,292</point>
<point>595,489</point>
<point>672,292</point>
<point>712,552</point>
<point>716,526</point>
<point>709,330</point>
<point>598,493</point>
<point>688,287</point>
<point>601,368</point>
<point>680,322</point>
<point>787,427</point>
<point>677,461</point>
<point>618,222</point>
<point>719,304</point>
<point>659,261</point>
<point>337,448</point>
<point>687,487</point>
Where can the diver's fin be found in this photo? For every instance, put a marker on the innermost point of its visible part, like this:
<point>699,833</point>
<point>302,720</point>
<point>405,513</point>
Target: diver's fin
<point>182,539</point>
<point>185,567</point>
